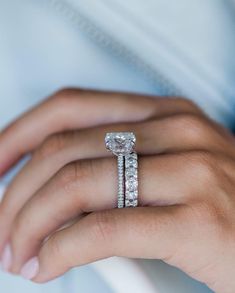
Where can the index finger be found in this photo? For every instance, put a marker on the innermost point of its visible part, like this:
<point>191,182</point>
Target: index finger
<point>72,109</point>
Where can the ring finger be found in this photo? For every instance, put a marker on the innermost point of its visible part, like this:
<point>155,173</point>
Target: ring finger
<point>154,137</point>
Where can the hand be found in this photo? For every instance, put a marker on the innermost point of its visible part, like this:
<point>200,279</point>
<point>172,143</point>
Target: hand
<point>59,211</point>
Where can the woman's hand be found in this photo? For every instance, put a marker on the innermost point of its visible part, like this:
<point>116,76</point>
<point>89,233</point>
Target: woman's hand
<point>59,211</point>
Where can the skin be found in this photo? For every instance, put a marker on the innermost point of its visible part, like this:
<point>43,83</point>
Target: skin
<point>60,208</point>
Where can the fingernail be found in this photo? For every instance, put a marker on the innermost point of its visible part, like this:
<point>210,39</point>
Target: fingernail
<point>30,269</point>
<point>6,260</point>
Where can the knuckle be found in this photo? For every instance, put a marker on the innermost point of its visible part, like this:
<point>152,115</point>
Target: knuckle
<point>67,177</point>
<point>54,249</point>
<point>62,94</point>
<point>189,104</point>
<point>210,216</point>
<point>208,212</point>
<point>203,166</point>
<point>192,125</point>
<point>50,146</point>
<point>104,226</point>
<point>62,98</point>
<point>76,179</point>
<point>63,102</point>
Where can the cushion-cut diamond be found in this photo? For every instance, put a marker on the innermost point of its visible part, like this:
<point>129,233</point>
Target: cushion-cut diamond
<point>120,143</point>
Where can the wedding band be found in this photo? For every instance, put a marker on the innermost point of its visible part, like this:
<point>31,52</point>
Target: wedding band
<point>121,187</point>
<point>131,180</point>
<point>122,145</point>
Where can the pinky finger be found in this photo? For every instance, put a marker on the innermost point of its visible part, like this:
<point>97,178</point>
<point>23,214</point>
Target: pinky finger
<point>105,234</point>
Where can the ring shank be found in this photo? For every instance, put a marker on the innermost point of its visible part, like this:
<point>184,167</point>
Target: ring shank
<point>121,190</point>
<point>131,180</point>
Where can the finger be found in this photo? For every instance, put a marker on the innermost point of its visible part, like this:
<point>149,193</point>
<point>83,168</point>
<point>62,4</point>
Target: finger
<point>154,137</point>
<point>177,235</point>
<point>126,232</point>
<point>182,132</point>
<point>90,185</point>
<point>71,109</point>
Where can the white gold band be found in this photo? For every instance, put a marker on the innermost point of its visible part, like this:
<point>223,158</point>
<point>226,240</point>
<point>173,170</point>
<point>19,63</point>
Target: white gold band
<point>131,180</point>
<point>122,145</point>
<point>121,189</point>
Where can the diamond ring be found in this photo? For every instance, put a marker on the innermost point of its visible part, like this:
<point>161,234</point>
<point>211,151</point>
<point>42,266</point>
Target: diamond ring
<point>122,145</point>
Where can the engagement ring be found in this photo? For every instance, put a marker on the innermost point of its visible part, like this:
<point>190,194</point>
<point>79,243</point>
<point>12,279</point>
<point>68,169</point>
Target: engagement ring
<point>122,145</point>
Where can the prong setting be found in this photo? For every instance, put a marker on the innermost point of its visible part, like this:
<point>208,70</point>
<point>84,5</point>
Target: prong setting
<point>120,143</point>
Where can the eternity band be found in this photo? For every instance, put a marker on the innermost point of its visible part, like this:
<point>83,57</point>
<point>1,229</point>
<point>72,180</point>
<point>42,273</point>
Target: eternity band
<point>122,145</point>
<point>121,182</point>
<point>131,180</point>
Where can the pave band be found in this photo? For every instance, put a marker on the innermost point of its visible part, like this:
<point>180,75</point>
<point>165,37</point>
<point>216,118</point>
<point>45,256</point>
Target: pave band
<point>131,180</point>
<point>121,182</point>
<point>122,145</point>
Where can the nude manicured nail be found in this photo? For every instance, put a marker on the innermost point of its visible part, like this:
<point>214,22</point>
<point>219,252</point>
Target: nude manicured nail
<point>6,260</point>
<point>30,269</point>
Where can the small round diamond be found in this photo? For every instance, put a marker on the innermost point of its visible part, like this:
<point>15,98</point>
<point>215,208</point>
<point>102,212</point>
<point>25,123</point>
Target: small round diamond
<point>131,162</point>
<point>131,172</point>
<point>131,203</point>
<point>132,177</point>
<point>131,185</point>
<point>131,195</point>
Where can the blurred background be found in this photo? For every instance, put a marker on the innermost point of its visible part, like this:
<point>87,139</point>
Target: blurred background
<point>158,47</point>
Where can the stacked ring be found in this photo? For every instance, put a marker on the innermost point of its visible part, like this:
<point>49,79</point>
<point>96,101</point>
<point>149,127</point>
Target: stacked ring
<point>122,145</point>
<point>131,180</point>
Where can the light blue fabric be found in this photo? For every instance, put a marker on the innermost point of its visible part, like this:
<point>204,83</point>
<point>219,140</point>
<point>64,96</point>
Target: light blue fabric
<point>190,43</point>
<point>152,46</point>
<point>44,47</point>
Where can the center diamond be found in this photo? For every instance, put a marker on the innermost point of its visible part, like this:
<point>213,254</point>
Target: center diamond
<point>120,143</point>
